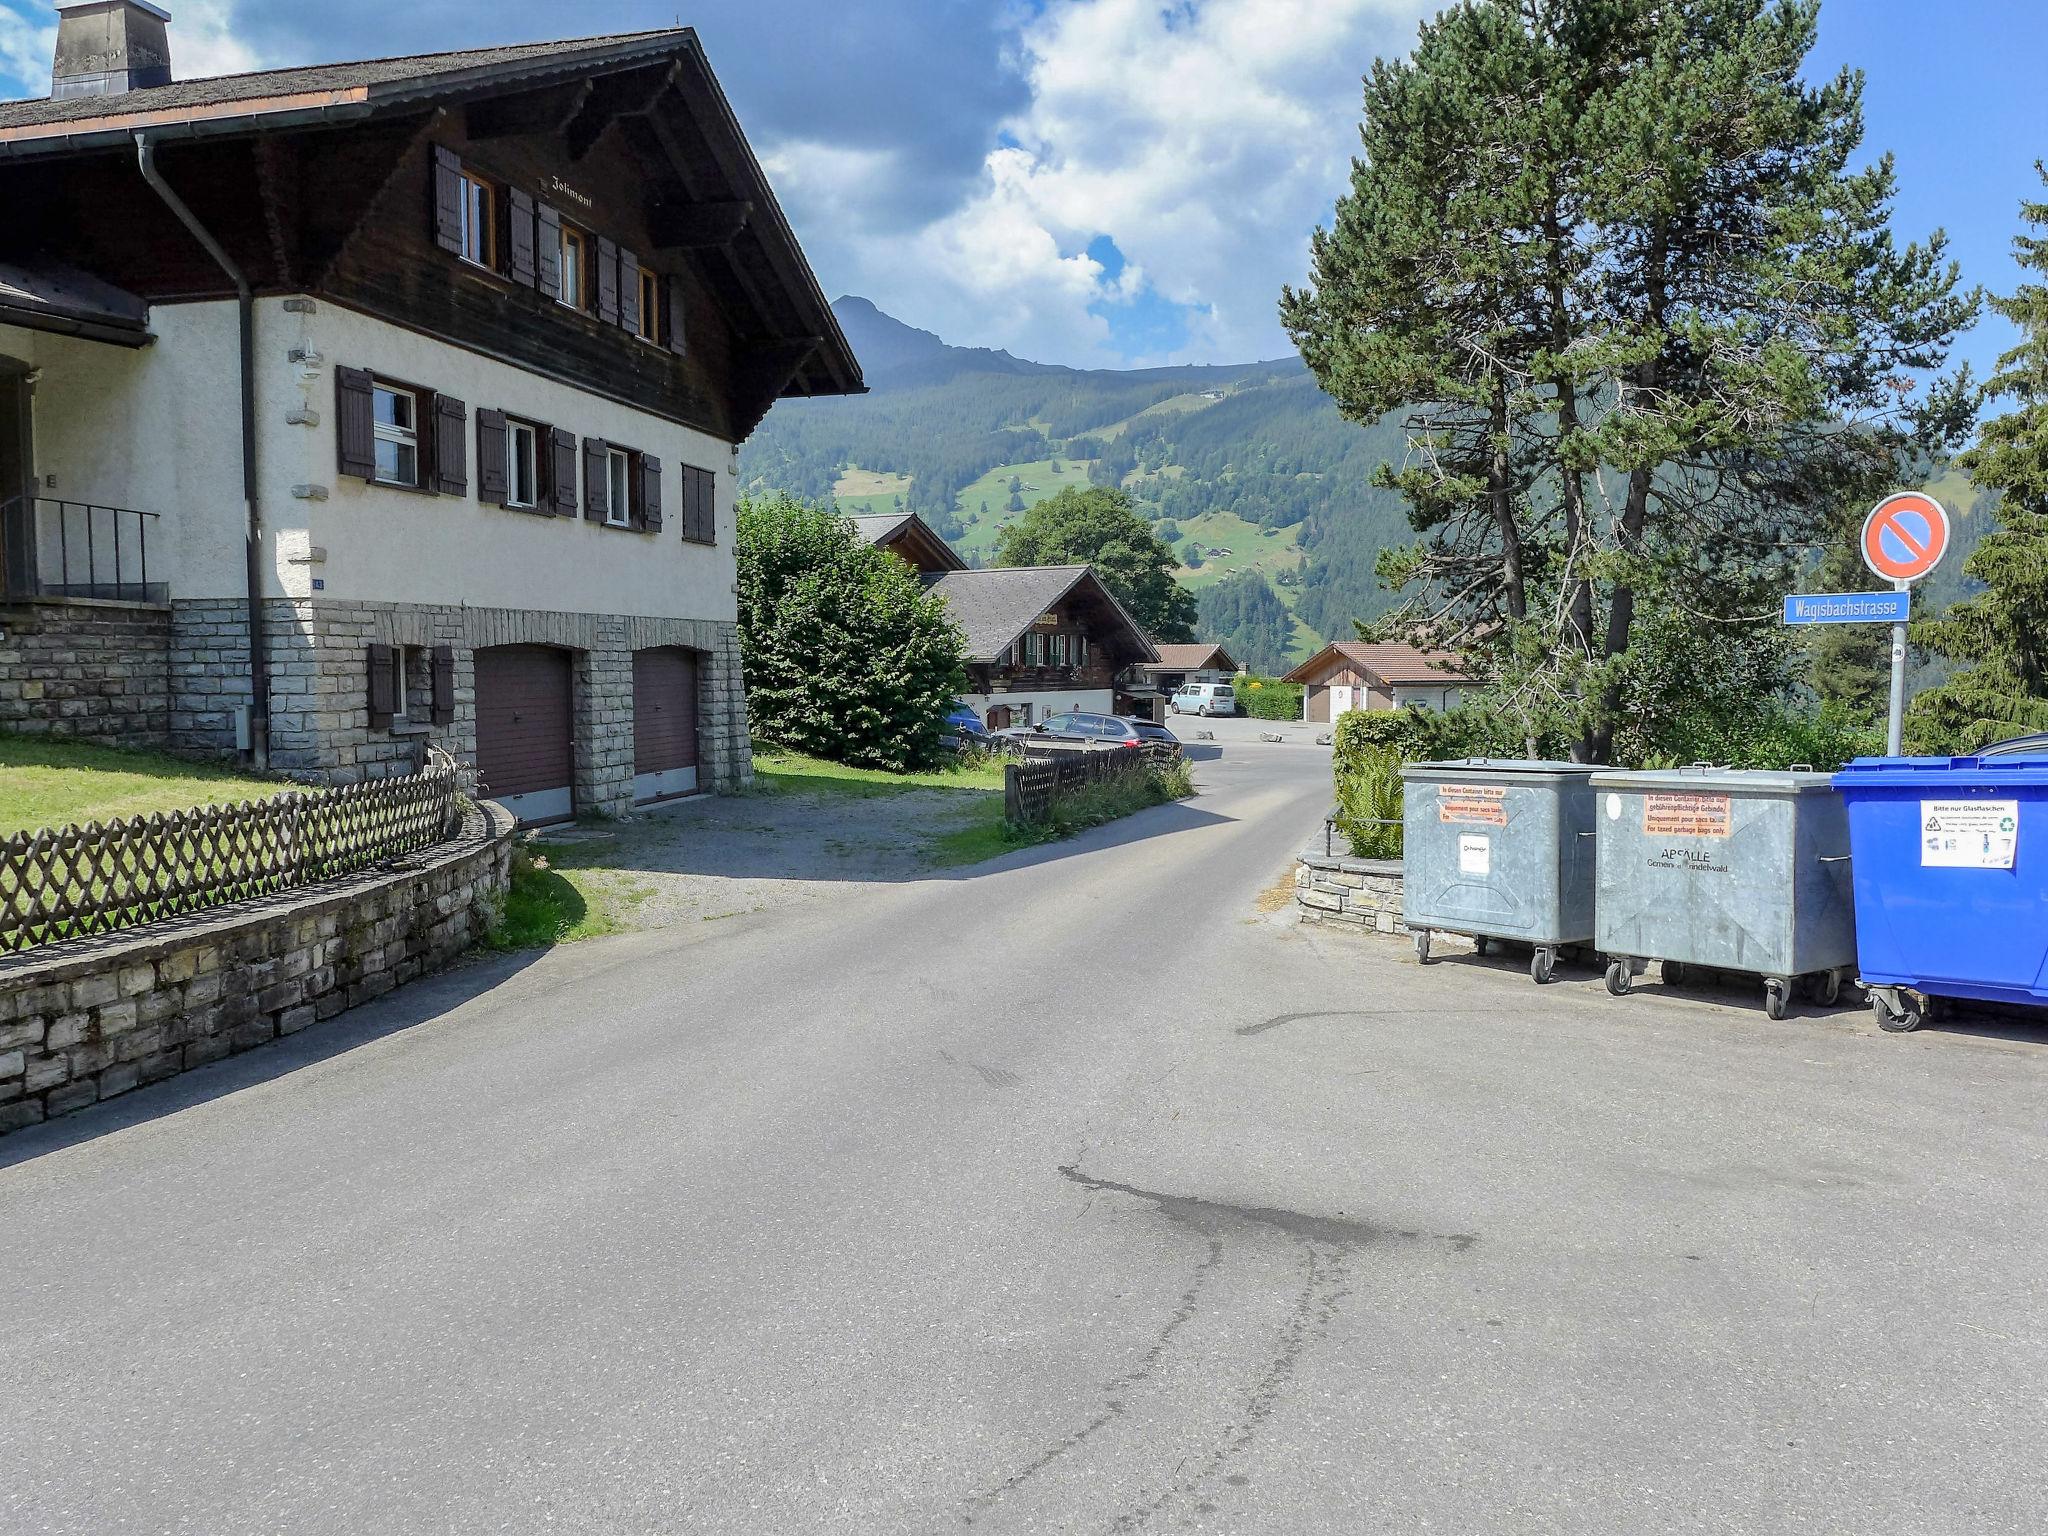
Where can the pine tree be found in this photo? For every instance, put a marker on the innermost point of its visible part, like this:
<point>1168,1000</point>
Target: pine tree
<point>1614,264</point>
<point>1999,638</point>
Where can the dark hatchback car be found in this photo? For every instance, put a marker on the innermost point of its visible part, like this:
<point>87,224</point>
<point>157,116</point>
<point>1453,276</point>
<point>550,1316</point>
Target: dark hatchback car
<point>1083,730</point>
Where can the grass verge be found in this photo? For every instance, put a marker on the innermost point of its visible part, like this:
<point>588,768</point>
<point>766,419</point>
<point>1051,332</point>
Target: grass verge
<point>776,770</point>
<point>46,783</point>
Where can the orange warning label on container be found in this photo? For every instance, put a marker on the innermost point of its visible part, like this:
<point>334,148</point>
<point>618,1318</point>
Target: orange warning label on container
<point>1480,805</point>
<point>1687,815</point>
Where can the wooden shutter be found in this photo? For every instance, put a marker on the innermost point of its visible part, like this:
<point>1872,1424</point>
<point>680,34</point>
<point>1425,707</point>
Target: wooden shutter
<point>547,255</point>
<point>447,200</point>
<point>700,507</point>
<point>629,291</point>
<point>451,446</point>
<point>383,684</point>
<point>444,685</point>
<point>597,501</point>
<point>650,493</point>
<point>607,281</point>
<point>672,322</point>
<point>562,470</point>
<point>493,449</point>
<point>519,236</point>
<point>354,426</point>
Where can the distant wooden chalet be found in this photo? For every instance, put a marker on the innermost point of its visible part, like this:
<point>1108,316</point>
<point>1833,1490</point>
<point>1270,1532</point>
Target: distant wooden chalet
<point>1351,674</point>
<point>1041,639</point>
<point>1179,665</point>
<point>358,407</point>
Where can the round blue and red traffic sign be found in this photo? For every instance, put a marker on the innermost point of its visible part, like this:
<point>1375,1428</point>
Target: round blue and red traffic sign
<point>1905,536</point>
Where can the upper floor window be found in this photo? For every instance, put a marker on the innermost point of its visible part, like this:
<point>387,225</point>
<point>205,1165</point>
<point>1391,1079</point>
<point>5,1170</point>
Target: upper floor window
<point>650,306</point>
<point>395,429</point>
<point>479,234</point>
<point>575,268</point>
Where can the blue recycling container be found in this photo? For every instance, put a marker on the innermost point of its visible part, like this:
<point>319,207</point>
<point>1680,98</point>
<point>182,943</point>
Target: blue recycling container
<point>1951,876</point>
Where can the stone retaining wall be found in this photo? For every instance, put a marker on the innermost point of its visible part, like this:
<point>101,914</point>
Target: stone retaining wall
<point>92,1018</point>
<point>87,670</point>
<point>1347,892</point>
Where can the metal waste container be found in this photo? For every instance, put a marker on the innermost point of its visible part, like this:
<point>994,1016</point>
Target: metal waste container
<point>1499,849</point>
<point>1727,869</point>
<point>1951,877</point>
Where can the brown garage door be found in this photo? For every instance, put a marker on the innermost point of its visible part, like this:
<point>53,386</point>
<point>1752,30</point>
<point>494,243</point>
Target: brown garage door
<point>664,723</point>
<point>523,748</point>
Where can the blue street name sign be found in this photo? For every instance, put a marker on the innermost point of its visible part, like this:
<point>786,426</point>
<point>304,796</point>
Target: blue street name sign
<point>1850,608</point>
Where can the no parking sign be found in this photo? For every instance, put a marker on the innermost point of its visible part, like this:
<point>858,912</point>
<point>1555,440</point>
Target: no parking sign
<point>1905,536</point>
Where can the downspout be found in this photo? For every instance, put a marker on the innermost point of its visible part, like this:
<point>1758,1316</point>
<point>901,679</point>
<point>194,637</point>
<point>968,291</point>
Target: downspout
<point>259,669</point>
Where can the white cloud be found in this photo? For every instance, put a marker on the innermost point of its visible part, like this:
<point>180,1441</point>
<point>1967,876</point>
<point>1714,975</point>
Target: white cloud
<point>26,49</point>
<point>1204,137</point>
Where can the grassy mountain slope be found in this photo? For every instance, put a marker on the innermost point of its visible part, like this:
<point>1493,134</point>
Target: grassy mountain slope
<point>1250,460</point>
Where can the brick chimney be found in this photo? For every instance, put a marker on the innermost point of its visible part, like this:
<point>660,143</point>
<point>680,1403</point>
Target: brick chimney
<point>105,47</point>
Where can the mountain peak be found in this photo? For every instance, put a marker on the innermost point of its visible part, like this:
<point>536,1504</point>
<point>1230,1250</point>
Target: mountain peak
<point>891,351</point>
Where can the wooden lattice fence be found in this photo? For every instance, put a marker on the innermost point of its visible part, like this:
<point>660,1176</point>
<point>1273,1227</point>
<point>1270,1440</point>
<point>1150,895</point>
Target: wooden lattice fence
<point>1030,787</point>
<point>66,882</point>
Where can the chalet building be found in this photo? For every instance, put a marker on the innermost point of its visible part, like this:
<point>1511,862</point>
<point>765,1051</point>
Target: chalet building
<point>357,407</point>
<point>1041,639</point>
<point>1351,674</point>
<point>1179,665</point>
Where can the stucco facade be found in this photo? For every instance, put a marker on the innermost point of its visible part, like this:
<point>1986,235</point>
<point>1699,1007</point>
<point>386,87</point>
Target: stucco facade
<point>345,563</point>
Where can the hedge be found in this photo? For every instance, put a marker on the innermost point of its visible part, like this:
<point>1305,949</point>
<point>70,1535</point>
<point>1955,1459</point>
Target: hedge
<point>1267,698</point>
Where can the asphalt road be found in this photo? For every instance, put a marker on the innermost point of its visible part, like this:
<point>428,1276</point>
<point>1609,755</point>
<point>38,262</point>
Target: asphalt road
<point>1073,1193</point>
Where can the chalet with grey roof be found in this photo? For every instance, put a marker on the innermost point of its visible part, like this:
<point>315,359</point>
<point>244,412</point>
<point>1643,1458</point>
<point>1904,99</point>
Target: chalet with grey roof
<point>354,408</point>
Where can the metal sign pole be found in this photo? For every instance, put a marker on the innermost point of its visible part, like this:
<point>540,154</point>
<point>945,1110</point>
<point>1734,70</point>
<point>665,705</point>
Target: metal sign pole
<point>1895,729</point>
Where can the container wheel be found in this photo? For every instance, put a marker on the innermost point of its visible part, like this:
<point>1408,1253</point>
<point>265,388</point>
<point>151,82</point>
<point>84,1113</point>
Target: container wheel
<point>1481,945</point>
<point>1775,993</point>
<point>1422,946</point>
<point>1894,1019</point>
<point>1618,977</point>
<point>1542,965</point>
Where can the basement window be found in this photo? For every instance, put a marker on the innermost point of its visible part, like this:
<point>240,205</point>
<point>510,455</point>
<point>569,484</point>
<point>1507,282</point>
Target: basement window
<point>395,428</point>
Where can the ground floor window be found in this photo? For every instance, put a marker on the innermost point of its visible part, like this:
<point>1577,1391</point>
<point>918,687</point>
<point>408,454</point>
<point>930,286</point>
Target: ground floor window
<point>395,426</point>
<point>618,467</point>
<point>522,464</point>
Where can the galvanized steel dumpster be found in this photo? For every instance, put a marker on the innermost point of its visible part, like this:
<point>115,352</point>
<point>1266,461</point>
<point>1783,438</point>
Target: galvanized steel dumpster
<point>1726,869</point>
<point>1499,849</point>
<point>1951,877</point>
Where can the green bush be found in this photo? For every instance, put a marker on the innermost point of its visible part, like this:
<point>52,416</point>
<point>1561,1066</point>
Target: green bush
<point>1110,799</point>
<point>1369,803</point>
<point>1267,698</point>
<point>848,657</point>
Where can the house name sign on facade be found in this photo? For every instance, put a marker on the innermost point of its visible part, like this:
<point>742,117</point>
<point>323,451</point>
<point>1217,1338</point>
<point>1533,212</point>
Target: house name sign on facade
<point>563,189</point>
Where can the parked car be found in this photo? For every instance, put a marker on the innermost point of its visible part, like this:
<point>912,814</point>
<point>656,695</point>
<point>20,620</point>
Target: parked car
<point>1204,699</point>
<point>964,731</point>
<point>1086,730</point>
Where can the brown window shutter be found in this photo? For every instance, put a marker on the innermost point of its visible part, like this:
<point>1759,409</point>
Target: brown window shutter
<point>650,493</point>
<point>672,322</point>
<point>562,470</point>
<point>519,236</point>
<point>700,507</point>
<point>596,493</point>
<point>383,684</point>
<point>629,291</point>
<point>444,685</point>
<point>547,254</point>
<point>607,281</point>
<point>451,446</point>
<point>354,427</point>
<point>447,200</point>
<point>493,477</point>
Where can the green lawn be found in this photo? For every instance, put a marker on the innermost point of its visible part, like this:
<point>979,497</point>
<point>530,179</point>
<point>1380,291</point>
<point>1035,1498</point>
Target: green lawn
<point>1039,482</point>
<point>868,492</point>
<point>49,783</point>
<point>775,770</point>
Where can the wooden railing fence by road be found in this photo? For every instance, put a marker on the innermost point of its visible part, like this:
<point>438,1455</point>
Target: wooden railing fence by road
<point>1030,787</point>
<point>66,882</point>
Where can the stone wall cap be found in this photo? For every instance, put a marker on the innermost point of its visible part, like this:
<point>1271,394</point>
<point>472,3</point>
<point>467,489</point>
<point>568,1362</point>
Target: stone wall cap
<point>1315,858</point>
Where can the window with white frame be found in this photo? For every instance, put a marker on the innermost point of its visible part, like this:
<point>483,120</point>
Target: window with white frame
<point>573,247</point>
<point>618,473</point>
<point>479,230</point>
<point>395,428</point>
<point>522,464</point>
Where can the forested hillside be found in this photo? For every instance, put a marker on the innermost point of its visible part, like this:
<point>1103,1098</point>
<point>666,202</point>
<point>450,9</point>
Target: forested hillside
<point>1249,466</point>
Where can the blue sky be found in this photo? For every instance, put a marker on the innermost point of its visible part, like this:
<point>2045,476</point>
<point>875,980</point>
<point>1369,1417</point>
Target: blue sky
<point>1118,182</point>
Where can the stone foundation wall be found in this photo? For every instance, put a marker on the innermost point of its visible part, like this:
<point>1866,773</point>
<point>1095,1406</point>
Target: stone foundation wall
<point>87,670</point>
<point>92,1018</point>
<point>320,727</point>
<point>1347,892</point>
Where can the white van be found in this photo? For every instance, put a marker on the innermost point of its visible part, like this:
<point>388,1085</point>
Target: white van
<point>1204,699</point>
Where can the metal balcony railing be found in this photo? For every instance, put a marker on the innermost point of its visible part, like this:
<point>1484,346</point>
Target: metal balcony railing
<point>55,548</point>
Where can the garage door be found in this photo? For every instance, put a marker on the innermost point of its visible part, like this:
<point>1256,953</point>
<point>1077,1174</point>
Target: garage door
<point>664,723</point>
<point>523,745</point>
